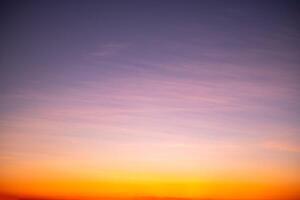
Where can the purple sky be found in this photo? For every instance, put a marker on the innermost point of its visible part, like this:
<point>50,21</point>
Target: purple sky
<point>81,77</point>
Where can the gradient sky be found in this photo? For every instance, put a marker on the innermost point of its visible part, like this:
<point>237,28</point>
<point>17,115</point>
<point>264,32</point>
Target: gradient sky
<point>192,99</point>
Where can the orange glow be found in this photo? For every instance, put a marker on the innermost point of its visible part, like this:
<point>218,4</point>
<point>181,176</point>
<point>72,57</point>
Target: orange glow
<point>127,185</point>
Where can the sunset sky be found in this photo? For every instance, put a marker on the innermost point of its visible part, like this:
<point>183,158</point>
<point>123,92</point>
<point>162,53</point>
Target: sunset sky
<point>132,99</point>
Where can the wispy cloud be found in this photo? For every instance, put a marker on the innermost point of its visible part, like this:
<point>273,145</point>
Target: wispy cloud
<point>109,50</point>
<point>283,146</point>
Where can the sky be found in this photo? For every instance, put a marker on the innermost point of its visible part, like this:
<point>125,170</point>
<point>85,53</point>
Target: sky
<point>165,99</point>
